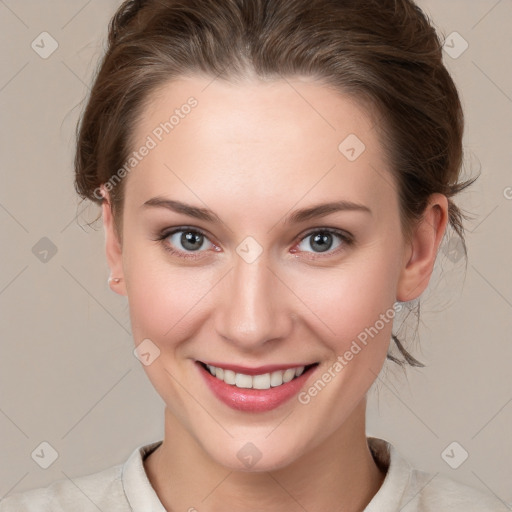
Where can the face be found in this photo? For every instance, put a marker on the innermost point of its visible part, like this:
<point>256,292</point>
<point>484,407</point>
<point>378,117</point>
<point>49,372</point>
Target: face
<point>244,270</point>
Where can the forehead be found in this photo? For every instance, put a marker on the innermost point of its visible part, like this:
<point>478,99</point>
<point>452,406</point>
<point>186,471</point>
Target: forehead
<point>259,139</point>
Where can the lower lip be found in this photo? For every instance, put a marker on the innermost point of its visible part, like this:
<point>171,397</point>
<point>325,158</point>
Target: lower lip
<point>254,400</point>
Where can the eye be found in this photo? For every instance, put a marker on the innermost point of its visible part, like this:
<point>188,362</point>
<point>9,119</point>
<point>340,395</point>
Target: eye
<point>190,243</point>
<point>323,240</point>
<point>184,242</point>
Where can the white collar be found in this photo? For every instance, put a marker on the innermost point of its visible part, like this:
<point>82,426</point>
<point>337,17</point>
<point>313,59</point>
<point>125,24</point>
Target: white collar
<point>142,497</point>
<point>136,486</point>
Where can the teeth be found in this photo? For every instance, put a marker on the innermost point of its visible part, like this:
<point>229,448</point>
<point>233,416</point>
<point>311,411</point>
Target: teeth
<point>263,381</point>
<point>288,375</point>
<point>276,379</point>
<point>243,381</point>
<point>229,377</point>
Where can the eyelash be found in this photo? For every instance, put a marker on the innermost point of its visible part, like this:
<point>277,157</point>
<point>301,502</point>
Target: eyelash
<point>346,238</point>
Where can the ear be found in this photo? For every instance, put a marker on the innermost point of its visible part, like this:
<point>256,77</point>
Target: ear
<point>112,246</point>
<point>420,256</point>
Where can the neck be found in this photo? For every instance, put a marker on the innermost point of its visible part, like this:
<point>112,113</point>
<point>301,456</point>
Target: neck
<point>338,474</point>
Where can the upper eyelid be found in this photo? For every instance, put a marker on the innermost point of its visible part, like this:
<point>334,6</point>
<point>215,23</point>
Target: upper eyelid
<point>172,231</point>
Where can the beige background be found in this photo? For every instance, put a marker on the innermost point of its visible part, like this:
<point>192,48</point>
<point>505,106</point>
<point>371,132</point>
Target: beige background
<point>67,372</point>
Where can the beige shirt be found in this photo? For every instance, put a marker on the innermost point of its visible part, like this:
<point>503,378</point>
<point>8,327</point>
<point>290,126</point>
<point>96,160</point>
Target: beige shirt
<point>126,488</point>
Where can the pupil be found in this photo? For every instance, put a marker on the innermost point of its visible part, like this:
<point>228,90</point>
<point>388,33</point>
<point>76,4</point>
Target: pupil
<point>323,242</point>
<point>188,239</point>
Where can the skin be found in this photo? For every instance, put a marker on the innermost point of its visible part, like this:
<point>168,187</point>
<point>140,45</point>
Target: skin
<point>253,153</point>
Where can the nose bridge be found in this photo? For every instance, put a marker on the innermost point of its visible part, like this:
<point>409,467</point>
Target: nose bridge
<point>253,309</point>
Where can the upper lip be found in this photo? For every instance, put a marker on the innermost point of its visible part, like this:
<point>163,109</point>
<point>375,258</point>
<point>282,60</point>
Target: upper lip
<point>269,368</point>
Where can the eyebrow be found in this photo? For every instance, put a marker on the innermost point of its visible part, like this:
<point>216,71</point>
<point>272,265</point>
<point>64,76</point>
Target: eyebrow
<point>296,217</point>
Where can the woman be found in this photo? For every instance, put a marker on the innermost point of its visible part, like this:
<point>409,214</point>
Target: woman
<point>275,178</point>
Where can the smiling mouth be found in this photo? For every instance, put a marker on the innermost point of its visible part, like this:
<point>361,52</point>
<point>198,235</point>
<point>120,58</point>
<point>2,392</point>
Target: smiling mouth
<point>261,381</point>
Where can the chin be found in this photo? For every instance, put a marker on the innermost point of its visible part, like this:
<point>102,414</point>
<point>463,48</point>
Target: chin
<point>254,456</point>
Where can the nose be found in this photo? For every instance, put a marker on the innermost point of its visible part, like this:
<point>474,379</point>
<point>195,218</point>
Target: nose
<point>255,307</point>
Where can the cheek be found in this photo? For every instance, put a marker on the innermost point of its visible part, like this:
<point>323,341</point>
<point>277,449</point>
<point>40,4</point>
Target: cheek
<point>351,295</point>
<point>352,300</point>
<point>163,298</point>
<point>166,305</point>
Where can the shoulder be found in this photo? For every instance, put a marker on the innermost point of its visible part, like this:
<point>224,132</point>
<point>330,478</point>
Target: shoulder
<point>411,490</point>
<point>102,490</point>
<point>431,492</point>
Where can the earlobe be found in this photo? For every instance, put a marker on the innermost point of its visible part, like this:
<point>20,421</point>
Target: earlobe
<point>422,249</point>
<point>113,247</point>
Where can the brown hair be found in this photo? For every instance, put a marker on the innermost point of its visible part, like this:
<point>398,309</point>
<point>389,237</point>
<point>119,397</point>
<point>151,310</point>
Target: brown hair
<point>385,53</point>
